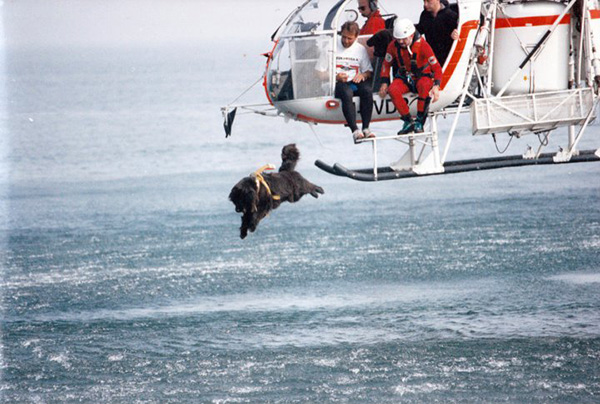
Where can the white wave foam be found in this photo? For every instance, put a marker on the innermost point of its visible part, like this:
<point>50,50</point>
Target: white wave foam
<point>419,388</point>
<point>115,357</point>
<point>61,359</point>
<point>278,301</point>
<point>245,390</point>
<point>577,278</point>
<point>326,362</point>
<point>27,343</point>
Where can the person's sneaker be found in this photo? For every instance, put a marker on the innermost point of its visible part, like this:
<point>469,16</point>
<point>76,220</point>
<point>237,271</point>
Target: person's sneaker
<point>407,128</point>
<point>418,128</point>
<point>367,133</point>
<point>357,135</point>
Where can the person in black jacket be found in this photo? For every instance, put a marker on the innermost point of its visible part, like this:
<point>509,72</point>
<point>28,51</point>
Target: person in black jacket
<point>438,23</point>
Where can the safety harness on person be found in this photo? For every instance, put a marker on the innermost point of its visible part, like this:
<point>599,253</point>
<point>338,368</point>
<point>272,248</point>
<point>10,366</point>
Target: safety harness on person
<point>410,77</point>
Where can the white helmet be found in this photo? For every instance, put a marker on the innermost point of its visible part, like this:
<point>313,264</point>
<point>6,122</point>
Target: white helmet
<point>403,28</point>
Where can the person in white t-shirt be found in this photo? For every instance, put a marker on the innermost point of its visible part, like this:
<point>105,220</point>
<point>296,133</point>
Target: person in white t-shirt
<point>353,73</point>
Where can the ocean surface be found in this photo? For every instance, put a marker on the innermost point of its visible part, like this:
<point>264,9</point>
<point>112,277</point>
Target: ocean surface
<point>124,279</point>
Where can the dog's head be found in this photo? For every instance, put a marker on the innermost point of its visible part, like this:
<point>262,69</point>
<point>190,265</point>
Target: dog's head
<point>289,157</point>
<point>252,201</point>
<point>244,195</point>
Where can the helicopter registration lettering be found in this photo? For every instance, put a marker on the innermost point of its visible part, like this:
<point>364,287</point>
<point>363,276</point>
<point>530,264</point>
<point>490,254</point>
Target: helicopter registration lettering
<point>390,108</point>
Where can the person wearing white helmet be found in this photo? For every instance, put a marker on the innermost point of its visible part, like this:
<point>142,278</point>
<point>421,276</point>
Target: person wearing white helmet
<point>403,28</point>
<point>418,72</point>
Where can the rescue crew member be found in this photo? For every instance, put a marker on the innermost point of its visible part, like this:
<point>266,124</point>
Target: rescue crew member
<point>438,23</point>
<point>419,72</point>
<point>369,10</point>
<point>353,72</point>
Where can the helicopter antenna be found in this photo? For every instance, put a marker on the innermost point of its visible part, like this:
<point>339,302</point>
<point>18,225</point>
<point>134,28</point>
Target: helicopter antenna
<point>311,126</point>
<point>248,89</point>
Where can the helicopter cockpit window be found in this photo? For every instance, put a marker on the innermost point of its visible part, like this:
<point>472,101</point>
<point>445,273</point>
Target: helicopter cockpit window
<point>305,41</point>
<point>293,73</point>
<point>308,19</point>
<point>303,58</point>
<point>308,56</point>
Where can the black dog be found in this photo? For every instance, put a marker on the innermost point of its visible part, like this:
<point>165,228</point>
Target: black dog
<point>258,194</point>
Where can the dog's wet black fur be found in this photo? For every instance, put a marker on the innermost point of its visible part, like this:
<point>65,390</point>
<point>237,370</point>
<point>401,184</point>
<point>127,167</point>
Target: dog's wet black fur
<point>255,202</point>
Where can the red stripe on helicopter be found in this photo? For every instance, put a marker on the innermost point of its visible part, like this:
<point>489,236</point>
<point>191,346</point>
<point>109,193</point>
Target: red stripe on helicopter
<point>595,13</point>
<point>458,51</point>
<point>530,21</point>
<point>269,56</point>
<point>307,118</point>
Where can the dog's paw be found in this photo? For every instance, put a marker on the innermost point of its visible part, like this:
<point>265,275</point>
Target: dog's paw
<point>316,191</point>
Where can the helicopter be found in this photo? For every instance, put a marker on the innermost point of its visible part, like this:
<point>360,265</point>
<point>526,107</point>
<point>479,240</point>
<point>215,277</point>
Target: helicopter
<point>517,67</point>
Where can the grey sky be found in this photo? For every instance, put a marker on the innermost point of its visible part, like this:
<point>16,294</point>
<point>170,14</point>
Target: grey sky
<point>139,22</point>
<point>134,22</point>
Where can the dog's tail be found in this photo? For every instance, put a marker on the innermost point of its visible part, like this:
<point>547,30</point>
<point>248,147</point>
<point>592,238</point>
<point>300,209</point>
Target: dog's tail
<point>289,157</point>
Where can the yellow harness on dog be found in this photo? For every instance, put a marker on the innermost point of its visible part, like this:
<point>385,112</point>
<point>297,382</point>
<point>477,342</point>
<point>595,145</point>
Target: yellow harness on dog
<point>261,180</point>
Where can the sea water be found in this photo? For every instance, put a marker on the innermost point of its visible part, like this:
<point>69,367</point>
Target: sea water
<point>124,278</point>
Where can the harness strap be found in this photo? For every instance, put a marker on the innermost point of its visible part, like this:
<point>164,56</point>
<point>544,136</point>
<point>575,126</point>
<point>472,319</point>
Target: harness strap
<point>414,69</point>
<point>260,180</point>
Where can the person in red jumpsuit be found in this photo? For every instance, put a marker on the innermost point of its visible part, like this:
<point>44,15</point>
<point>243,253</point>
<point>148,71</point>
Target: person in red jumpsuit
<point>419,72</point>
<point>375,22</point>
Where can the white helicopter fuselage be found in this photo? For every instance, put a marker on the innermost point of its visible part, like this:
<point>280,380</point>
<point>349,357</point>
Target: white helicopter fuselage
<point>516,30</point>
<point>310,106</point>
